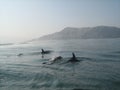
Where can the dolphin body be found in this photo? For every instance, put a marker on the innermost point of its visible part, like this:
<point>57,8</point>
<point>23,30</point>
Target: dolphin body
<point>56,59</point>
<point>45,52</point>
<point>73,59</point>
<point>20,54</point>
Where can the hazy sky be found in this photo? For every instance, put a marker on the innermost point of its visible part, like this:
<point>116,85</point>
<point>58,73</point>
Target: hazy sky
<point>22,20</point>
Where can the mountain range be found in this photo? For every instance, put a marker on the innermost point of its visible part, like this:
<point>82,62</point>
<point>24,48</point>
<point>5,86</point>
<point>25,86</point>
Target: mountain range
<point>98,32</point>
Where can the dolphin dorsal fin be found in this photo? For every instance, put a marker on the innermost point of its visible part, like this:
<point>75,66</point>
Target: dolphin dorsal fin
<point>73,55</point>
<point>42,50</point>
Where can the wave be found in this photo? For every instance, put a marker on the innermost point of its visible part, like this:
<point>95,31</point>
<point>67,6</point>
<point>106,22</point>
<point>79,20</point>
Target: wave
<point>5,44</point>
<point>116,52</point>
<point>84,75</point>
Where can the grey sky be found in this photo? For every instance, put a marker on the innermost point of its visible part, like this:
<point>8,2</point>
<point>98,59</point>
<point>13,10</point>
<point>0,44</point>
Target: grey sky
<point>27,19</point>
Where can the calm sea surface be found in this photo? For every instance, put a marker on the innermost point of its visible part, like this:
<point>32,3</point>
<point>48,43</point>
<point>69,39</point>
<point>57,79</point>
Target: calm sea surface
<point>98,69</point>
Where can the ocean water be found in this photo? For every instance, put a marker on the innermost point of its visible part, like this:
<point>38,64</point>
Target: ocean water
<point>98,69</point>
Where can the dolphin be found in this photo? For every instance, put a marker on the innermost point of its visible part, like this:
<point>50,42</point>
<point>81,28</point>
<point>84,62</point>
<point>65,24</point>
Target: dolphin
<point>56,59</point>
<point>45,52</point>
<point>73,59</point>
<point>20,54</point>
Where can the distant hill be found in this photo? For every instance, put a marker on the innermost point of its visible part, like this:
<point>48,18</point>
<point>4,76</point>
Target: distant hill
<point>98,32</point>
